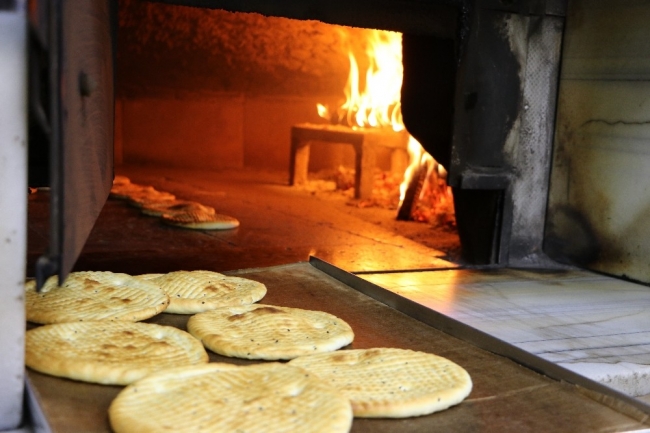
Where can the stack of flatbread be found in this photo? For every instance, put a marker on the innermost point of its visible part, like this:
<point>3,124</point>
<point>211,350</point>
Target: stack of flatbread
<point>197,291</point>
<point>177,213</point>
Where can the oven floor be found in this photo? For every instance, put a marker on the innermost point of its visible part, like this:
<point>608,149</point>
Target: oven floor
<point>594,325</point>
<point>543,313</point>
<point>279,225</point>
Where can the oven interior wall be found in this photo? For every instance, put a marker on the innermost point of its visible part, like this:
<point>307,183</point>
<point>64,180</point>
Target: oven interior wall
<point>600,190</point>
<point>206,88</point>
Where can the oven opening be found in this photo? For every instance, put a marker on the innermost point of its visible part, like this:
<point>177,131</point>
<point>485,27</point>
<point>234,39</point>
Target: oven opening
<point>259,116</point>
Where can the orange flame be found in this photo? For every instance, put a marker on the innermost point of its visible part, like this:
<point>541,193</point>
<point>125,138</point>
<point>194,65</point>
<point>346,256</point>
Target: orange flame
<point>417,157</point>
<point>378,103</point>
<point>435,195</point>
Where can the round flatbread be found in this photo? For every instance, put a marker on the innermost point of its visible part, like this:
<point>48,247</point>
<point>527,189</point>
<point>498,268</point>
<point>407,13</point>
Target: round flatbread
<point>197,291</point>
<point>110,353</point>
<point>392,383</point>
<point>199,220</point>
<point>174,207</point>
<point>225,398</point>
<point>269,332</point>
<point>124,191</point>
<point>119,180</point>
<point>94,296</point>
<point>139,200</point>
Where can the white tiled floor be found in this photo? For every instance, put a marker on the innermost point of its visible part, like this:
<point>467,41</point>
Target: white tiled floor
<point>592,324</point>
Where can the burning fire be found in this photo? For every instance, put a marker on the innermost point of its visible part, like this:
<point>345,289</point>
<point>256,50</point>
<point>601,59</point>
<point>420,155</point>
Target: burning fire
<point>434,197</point>
<point>417,157</point>
<point>377,105</point>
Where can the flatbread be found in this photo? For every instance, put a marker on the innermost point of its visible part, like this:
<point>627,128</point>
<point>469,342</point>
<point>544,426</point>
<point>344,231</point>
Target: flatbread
<point>392,383</point>
<point>197,291</point>
<point>94,296</point>
<point>148,277</point>
<point>119,180</point>
<point>198,220</point>
<point>174,207</point>
<point>110,353</point>
<point>269,332</point>
<point>124,191</point>
<point>146,197</point>
<point>217,397</point>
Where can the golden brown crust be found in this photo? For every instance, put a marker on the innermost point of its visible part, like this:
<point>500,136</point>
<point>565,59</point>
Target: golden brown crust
<point>94,296</point>
<point>124,191</point>
<point>197,291</point>
<point>115,353</point>
<point>393,383</point>
<point>199,220</point>
<point>216,397</point>
<point>269,332</point>
<point>121,180</point>
<point>141,199</point>
<point>157,208</point>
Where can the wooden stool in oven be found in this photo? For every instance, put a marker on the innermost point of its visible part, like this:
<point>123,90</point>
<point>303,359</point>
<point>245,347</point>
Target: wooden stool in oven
<point>364,141</point>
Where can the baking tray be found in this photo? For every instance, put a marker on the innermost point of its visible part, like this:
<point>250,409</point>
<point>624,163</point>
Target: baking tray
<point>507,397</point>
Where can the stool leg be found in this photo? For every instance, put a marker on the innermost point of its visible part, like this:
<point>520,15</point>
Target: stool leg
<point>299,161</point>
<point>364,176</point>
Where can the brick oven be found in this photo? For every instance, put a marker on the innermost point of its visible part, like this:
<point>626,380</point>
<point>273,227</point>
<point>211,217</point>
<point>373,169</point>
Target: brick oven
<point>534,108</point>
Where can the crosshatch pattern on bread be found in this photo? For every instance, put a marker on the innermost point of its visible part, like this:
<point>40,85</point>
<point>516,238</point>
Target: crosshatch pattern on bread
<point>217,397</point>
<point>94,296</point>
<point>269,332</point>
<point>387,382</point>
<point>197,291</point>
<point>106,352</point>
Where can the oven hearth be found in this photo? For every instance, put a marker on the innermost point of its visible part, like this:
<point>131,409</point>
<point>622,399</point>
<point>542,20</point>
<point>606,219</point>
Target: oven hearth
<point>279,225</point>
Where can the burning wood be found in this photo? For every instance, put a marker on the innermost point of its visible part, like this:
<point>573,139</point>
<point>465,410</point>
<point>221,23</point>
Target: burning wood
<point>434,203</point>
<point>423,194</point>
<point>409,197</point>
